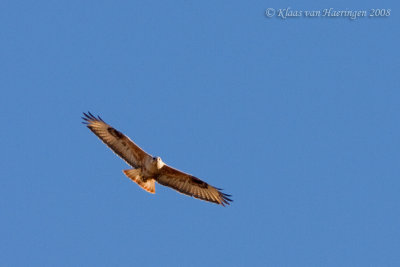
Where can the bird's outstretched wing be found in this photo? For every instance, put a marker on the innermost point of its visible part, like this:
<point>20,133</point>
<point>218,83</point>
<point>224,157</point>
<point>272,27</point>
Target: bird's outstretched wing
<point>118,142</point>
<point>191,186</point>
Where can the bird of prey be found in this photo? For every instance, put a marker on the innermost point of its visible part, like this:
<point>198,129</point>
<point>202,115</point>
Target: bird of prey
<point>148,169</point>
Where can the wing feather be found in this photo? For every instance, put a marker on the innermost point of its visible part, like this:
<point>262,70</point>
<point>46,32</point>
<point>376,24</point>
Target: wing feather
<point>116,141</point>
<point>191,186</point>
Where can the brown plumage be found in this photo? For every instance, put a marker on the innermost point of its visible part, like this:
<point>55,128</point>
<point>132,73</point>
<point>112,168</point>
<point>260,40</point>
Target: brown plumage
<point>148,169</point>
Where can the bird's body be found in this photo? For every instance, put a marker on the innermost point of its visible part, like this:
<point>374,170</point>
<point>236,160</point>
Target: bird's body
<point>147,169</point>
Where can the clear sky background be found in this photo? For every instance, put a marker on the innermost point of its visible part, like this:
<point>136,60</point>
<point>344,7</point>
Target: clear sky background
<point>298,119</point>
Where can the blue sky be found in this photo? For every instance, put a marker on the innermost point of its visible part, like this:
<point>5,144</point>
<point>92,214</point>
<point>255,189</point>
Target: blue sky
<point>298,119</point>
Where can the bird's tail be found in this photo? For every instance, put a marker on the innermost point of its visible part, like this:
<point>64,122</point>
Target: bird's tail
<point>136,176</point>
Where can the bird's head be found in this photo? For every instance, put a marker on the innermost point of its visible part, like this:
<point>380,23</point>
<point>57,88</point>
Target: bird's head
<point>159,163</point>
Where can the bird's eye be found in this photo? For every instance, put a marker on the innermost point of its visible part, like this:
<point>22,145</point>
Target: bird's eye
<point>154,158</point>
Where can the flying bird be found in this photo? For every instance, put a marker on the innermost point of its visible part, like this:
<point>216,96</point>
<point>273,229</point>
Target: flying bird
<point>148,169</point>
